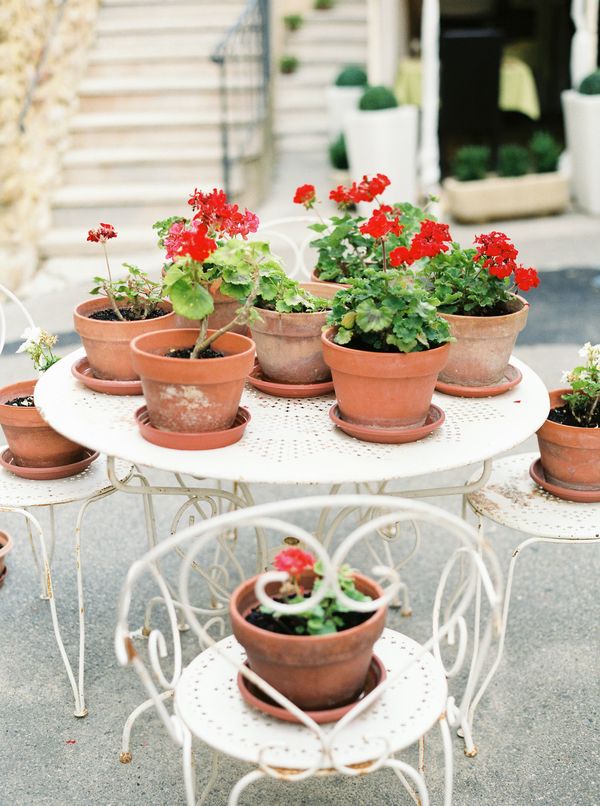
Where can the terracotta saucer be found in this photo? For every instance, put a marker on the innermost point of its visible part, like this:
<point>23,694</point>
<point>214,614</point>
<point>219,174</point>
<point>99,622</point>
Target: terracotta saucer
<point>512,377</point>
<point>7,461</point>
<point>258,380</point>
<point>3,575</point>
<point>185,441</point>
<point>255,697</point>
<point>536,471</point>
<point>83,372</point>
<point>396,436</point>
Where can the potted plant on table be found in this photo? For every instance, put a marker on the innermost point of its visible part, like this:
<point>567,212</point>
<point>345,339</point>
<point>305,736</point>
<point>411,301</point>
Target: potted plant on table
<point>569,440</point>
<point>319,657</point>
<point>581,108</point>
<point>124,309</point>
<point>32,443</point>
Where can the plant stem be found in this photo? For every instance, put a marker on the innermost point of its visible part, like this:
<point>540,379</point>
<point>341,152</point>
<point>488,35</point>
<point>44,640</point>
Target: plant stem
<point>108,287</point>
<point>384,254</point>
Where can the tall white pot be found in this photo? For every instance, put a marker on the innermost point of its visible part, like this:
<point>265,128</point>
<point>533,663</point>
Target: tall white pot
<point>582,128</point>
<point>340,101</point>
<point>385,141</point>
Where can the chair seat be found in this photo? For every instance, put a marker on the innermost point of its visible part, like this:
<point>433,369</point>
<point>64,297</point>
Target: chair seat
<point>18,492</point>
<point>207,699</point>
<point>511,498</point>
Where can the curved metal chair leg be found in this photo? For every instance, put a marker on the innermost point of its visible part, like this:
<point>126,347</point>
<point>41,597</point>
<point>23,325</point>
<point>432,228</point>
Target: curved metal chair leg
<point>234,795</point>
<point>214,772</point>
<point>188,768</point>
<point>403,771</point>
<point>126,756</point>
<point>448,760</point>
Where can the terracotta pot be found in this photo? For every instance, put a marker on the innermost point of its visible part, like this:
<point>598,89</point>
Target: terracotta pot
<point>224,312</point>
<point>387,390</point>
<point>107,343</point>
<point>6,545</point>
<point>570,455</point>
<point>483,345</point>
<point>313,671</point>
<point>314,278</point>
<point>288,345</point>
<point>186,395</point>
<point>30,439</point>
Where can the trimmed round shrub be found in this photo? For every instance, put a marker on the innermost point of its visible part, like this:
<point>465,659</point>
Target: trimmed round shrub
<point>375,98</point>
<point>545,151</point>
<point>513,160</point>
<point>591,84</point>
<point>337,154</point>
<point>352,76</point>
<point>471,162</point>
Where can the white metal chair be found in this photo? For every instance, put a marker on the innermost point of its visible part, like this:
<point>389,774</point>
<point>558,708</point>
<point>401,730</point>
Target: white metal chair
<point>511,498</point>
<point>291,237</point>
<point>396,715</point>
<point>19,496</point>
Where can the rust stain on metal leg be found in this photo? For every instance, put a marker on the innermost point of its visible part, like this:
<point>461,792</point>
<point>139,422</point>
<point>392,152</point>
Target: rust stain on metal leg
<point>125,758</point>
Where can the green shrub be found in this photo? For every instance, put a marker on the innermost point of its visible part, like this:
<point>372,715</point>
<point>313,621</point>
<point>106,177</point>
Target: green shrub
<point>288,64</point>
<point>591,84</point>
<point>545,151</point>
<point>471,162</point>
<point>352,76</point>
<point>324,5</point>
<point>293,21</point>
<point>377,98</point>
<point>513,160</point>
<point>337,154</point>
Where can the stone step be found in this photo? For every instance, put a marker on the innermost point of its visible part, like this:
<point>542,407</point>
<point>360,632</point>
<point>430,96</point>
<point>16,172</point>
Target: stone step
<point>143,66</point>
<point>350,31</point>
<point>331,53</point>
<point>127,205</point>
<point>171,16</point>
<point>68,242</point>
<point>301,141</point>
<point>299,98</point>
<point>117,6</point>
<point>190,39</point>
<point>75,269</point>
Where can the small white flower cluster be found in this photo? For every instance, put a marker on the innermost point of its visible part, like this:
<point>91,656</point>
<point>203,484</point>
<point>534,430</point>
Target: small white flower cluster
<point>38,345</point>
<point>32,336</point>
<point>591,353</point>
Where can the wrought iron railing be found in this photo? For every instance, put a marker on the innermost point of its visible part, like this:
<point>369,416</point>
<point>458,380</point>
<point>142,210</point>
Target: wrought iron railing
<point>243,56</point>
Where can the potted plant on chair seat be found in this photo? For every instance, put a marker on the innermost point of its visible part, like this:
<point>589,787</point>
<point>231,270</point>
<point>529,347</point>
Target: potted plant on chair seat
<point>318,657</point>
<point>569,440</point>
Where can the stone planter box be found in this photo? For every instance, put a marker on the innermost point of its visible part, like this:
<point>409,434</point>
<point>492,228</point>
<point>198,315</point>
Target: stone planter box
<point>501,197</point>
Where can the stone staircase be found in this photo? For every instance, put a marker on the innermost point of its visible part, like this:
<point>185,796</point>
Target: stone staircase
<point>326,42</point>
<point>146,133</point>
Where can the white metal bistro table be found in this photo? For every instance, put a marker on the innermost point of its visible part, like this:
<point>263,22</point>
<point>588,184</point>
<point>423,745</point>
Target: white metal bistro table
<point>293,442</point>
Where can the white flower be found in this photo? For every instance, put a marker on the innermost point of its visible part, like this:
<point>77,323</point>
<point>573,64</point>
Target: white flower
<point>32,336</point>
<point>566,377</point>
<point>591,353</point>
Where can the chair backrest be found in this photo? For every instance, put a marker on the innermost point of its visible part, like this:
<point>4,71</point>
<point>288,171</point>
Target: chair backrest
<point>470,82</point>
<point>373,520</point>
<point>290,238</point>
<point>7,293</point>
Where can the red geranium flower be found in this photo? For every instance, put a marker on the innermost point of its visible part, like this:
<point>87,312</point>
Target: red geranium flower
<point>219,217</point>
<point>102,233</point>
<point>526,278</point>
<point>379,225</point>
<point>306,195</point>
<point>499,253</point>
<point>431,239</point>
<point>192,242</point>
<point>341,196</point>
<point>400,255</point>
<point>294,561</point>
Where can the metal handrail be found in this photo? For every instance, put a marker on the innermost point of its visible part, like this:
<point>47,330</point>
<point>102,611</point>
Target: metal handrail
<point>244,51</point>
<point>60,9</point>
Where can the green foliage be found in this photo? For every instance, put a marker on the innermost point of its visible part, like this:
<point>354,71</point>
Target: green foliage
<point>591,84</point>
<point>388,311</point>
<point>456,278</point>
<point>471,162</point>
<point>352,76</point>
<point>375,98</point>
<point>162,228</point>
<point>584,400</point>
<point>327,616</point>
<point>545,151</point>
<point>324,5</point>
<point>140,293</point>
<point>288,64</point>
<point>513,160</point>
<point>285,295</point>
<point>337,154</point>
<point>343,251</point>
<point>293,21</point>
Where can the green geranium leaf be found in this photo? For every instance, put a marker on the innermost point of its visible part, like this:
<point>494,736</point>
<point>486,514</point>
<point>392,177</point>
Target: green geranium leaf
<point>191,301</point>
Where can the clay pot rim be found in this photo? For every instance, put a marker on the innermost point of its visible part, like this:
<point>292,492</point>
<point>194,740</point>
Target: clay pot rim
<point>16,416</point>
<point>105,305</point>
<point>573,429</point>
<point>6,543</point>
<point>289,313</point>
<point>14,386</point>
<point>524,305</point>
<point>237,617</point>
<point>193,332</point>
<point>326,337</point>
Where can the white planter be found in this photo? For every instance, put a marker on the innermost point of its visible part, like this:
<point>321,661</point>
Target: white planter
<point>582,128</point>
<point>340,101</point>
<point>385,141</point>
<point>500,197</point>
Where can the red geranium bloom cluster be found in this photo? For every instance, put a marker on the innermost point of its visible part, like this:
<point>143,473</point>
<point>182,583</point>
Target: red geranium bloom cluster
<point>365,191</point>
<point>219,217</point>
<point>379,225</point>
<point>431,239</point>
<point>500,259</point>
<point>102,233</point>
<point>294,561</point>
<point>306,195</point>
<point>192,241</point>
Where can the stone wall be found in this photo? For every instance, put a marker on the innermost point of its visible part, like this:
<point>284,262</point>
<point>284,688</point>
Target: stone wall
<point>30,147</point>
